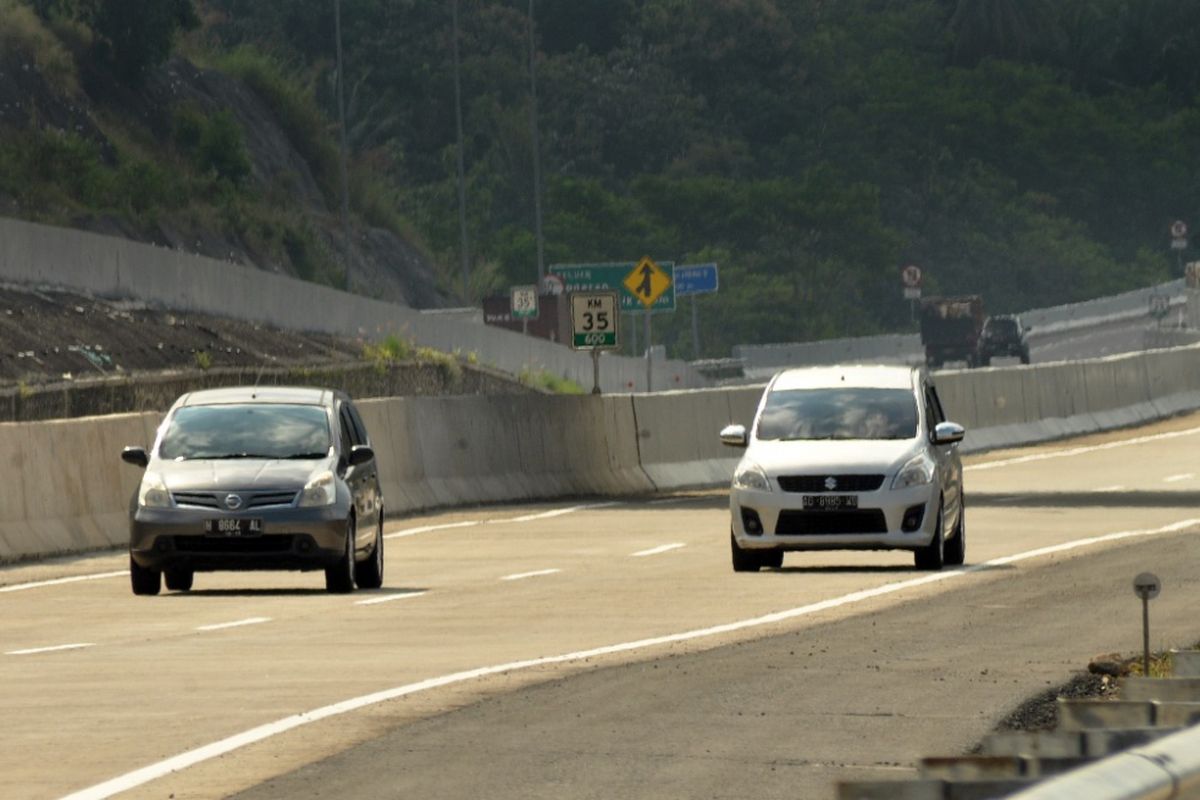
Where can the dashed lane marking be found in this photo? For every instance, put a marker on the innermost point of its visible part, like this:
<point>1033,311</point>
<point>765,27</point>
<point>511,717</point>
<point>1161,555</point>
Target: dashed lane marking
<point>523,575</point>
<point>237,624</point>
<point>653,551</point>
<point>388,599</point>
<point>56,648</point>
<point>20,587</point>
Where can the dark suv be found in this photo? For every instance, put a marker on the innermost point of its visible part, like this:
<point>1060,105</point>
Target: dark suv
<point>1003,335</point>
<point>254,478</point>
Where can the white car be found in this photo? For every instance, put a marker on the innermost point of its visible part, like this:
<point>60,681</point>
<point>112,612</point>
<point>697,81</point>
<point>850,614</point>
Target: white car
<point>848,458</point>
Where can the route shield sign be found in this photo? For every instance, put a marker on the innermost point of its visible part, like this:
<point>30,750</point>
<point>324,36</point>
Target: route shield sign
<point>524,302</point>
<point>594,320</point>
<point>647,281</point>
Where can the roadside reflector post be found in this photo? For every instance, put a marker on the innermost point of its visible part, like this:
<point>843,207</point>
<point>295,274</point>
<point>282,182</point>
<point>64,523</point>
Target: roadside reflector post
<point>1146,586</point>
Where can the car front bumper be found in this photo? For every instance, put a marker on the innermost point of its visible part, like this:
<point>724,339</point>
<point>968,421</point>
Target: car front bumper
<point>291,539</point>
<point>877,524</point>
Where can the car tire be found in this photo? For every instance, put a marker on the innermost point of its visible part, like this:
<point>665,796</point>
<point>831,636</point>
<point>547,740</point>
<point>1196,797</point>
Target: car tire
<point>955,550</point>
<point>369,574</point>
<point>143,580</point>
<point>933,555</point>
<point>179,580</point>
<point>772,559</point>
<point>743,560</point>
<point>339,578</point>
<point>1025,357</point>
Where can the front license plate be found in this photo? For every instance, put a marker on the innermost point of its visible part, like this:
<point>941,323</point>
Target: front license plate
<point>233,527</point>
<point>829,502</point>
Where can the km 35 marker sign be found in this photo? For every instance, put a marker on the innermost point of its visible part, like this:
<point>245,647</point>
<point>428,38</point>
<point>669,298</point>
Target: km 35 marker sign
<point>594,320</point>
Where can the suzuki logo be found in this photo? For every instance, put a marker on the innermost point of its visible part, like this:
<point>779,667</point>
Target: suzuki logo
<point>831,483</point>
<point>233,502</point>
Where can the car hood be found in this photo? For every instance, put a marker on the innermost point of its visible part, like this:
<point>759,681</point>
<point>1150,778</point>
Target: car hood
<point>203,475</point>
<point>826,456</point>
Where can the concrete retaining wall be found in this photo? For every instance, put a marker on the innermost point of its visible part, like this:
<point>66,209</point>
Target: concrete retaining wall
<point>118,268</point>
<point>65,489</point>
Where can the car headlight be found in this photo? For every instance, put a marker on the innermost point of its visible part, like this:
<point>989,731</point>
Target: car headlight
<point>319,491</point>
<point>153,492</point>
<point>751,476</point>
<point>918,471</point>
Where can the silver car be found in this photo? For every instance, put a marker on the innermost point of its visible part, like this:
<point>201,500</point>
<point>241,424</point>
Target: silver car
<point>848,458</point>
<point>253,478</point>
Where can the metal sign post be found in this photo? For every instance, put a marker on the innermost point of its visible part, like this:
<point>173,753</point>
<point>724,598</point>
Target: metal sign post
<point>691,280</point>
<point>1146,586</point>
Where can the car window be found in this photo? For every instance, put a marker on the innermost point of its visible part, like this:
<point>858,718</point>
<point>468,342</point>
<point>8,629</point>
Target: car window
<point>359,428</point>
<point>253,430</point>
<point>842,413</point>
<point>349,435</point>
<point>933,407</point>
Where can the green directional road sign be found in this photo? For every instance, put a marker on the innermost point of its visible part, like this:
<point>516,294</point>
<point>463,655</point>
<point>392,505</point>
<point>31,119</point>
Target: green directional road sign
<point>611,277</point>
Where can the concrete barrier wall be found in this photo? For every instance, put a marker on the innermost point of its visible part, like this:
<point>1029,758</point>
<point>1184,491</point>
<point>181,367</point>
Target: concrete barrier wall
<point>66,490</point>
<point>118,268</point>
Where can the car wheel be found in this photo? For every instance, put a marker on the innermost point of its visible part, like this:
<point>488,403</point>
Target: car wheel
<point>339,578</point>
<point>772,559</point>
<point>144,580</point>
<point>933,555</point>
<point>1025,357</point>
<point>743,560</point>
<point>179,580</point>
<point>956,549</point>
<point>369,574</point>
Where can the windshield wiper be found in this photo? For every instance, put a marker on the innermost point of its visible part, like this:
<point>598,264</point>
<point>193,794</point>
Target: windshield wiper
<point>307,456</point>
<point>226,456</point>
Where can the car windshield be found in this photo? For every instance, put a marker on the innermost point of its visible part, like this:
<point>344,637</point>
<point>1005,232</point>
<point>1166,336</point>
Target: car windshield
<point>841,413</point>
<point>1002,327</point>
<point>257,430</point>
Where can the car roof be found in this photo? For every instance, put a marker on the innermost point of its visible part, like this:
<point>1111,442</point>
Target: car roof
<point>296,395</point>
<point>859,376</point>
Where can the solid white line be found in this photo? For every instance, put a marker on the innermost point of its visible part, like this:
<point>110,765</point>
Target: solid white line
<point>54,649</point>
<point>523,575</point>
<point>376,600</point>
<point>20,587</point>
<point>1117,488</point>
<point>1177,478</point>
<point>666,548</point>
<point>558,512</point>
<point>1076,451</point>
<point>146,774</point>
<point>222,626</point>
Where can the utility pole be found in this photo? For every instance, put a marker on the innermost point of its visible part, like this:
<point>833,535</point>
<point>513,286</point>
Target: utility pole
<point>537,158</point>
<point>341,100</point>
<point>462,181</point>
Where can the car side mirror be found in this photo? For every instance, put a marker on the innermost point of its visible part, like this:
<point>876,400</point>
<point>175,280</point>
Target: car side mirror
<point>136,456</point>
<point>361,454</point>
<point>948,433</point>
<point>734,435</point>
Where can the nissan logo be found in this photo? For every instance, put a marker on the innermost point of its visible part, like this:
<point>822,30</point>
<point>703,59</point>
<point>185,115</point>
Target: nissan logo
<point>233,502</point>
<point>831,483</point>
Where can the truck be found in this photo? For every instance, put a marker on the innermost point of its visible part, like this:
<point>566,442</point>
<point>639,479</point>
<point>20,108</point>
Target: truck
<point>950,328</point>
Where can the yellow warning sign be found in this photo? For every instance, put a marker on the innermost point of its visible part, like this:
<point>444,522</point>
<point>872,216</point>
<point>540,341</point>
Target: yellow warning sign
<point>647,281</point>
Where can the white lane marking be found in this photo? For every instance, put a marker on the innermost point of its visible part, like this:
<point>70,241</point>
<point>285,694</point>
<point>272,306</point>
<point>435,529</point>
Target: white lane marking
<point>130,780</point>
<point>558,512</point>
<point>428,528</point>
<point>1076,451</point>
<point>522,575</point>
<point>388,599</point>
<point>1177,478</point>
<point>1117,488</point>
<point>239,623</point>
<point>653,551</point>
<point>54,649</point>
<point>20,587</point>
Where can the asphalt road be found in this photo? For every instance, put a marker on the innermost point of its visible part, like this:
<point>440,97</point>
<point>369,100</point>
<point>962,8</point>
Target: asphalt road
<point>591,649</point>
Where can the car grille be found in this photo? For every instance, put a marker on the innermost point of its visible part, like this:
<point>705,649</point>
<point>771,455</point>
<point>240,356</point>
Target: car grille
<point>211,500</point>
<point>815,484</point>
<point>220,544</point>
<point>804,523</point>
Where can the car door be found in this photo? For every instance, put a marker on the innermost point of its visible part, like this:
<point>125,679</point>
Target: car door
<point>372,493</point>
<point>949,463</point>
